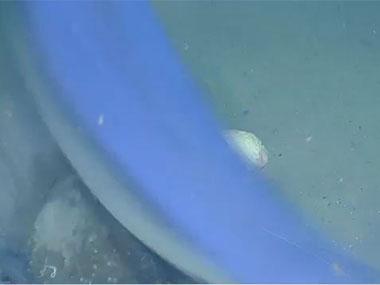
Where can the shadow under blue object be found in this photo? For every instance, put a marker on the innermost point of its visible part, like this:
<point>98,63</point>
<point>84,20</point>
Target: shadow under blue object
<point>126,87</point>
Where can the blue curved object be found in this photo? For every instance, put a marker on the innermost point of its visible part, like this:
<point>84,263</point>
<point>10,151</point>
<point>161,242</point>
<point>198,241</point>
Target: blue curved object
<point>113,62</point>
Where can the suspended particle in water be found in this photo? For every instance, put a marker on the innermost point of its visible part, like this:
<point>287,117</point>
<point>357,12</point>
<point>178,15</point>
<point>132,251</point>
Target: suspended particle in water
<point>186,46</point>
<point>101,120</point>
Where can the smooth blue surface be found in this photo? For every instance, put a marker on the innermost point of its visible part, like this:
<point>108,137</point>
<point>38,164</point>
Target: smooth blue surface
<point>114,60</point>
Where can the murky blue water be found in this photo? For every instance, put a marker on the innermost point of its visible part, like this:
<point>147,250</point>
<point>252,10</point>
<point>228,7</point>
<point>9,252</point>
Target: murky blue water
<point>304,77</point>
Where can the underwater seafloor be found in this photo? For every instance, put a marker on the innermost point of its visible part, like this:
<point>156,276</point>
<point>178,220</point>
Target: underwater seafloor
<point>304,77</point>
<point>52,230</point>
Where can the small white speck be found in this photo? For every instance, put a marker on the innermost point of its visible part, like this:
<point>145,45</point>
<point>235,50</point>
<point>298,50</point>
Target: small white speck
<point>94,266</point>
<point>340,180</point>
<point>308,139</point>
<point>81,279</point>
<point>92,238</point>
<point>109,263</point>
<point>373,32</point>
<point>109,279</point>
<point>356,238</point>
<point>186,46</point>
<point>350,246</point>
<point>101,120</point>
<point>95,250</point>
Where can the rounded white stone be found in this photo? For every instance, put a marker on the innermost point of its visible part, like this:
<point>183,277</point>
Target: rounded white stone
<point>248,146</point>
